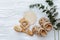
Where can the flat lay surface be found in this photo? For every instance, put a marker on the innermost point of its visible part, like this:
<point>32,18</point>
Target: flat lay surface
<point>10,13</point>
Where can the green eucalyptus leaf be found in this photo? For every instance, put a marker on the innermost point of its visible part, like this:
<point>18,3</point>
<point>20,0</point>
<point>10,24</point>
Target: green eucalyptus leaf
<point>42,7</point>
<point>51,9</point>
<point>55,28</point>
<point>38,5</point>
<point>55,14</point>
<point>47,0</point>
<point>44,10</point>
<point>47,11</point>
<point>54,10</point>
<point>50,3</point>
<point>31,6</point>
<point>52,21</point>
<point>58,26</point>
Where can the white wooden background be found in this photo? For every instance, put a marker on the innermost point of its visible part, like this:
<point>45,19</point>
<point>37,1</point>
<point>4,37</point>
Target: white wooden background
<point>11,11</point>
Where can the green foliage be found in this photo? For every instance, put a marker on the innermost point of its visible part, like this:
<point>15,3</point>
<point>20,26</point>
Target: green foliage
<point>58,26</point>
<point>50,12</point>
<point>34,5</point>
<point>41,7</point>
<point>50,3</point>
<point>44,10</point>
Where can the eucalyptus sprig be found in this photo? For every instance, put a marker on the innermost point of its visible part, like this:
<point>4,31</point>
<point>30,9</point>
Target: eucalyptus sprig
<point>40,6</point>
<point>50,12</point>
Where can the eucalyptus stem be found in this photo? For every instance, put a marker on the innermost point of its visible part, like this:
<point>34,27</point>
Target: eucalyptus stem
<point>54,35</point>
<point>58,34</point>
